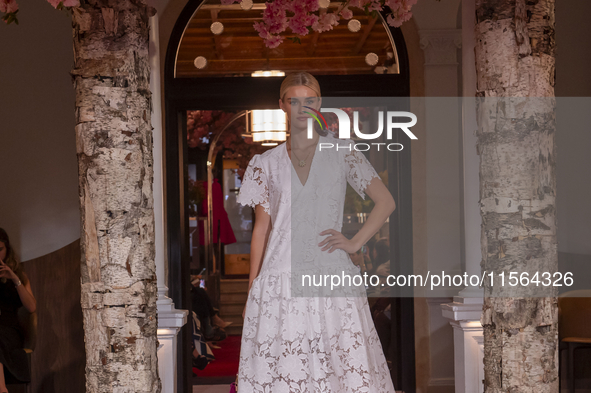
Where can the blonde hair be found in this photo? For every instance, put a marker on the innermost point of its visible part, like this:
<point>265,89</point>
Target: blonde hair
<point>299,78</point>
<point>302,78</point>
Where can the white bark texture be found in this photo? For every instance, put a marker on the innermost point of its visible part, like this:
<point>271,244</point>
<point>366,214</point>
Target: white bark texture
<point>515,57</point>
<point>114,148</point>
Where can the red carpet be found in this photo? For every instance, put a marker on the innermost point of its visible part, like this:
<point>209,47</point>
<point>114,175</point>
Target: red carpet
<point>226,359</point>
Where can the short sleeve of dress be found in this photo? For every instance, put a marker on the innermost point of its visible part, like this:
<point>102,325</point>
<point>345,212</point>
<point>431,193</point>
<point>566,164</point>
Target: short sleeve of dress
<point>359,171</point>
<point>254,189</point>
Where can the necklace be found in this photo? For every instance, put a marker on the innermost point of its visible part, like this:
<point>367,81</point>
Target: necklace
<point>302,163</point>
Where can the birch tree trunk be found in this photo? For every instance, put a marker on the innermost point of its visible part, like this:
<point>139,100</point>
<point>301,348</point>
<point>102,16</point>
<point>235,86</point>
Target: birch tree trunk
<point>515,54</point>
<point>114,147</point>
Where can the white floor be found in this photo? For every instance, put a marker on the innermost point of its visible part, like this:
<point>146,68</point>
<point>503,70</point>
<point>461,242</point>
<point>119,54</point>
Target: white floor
<point>211,388</point>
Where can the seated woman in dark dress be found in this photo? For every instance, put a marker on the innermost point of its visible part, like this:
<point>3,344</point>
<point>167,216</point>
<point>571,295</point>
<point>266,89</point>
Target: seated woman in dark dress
<point>15,291</point>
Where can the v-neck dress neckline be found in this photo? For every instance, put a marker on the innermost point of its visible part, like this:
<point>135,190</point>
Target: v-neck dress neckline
<point>311,164</point>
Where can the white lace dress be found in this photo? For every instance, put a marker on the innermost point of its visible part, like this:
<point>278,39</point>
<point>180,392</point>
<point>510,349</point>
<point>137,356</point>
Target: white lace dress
<point>314,344</point>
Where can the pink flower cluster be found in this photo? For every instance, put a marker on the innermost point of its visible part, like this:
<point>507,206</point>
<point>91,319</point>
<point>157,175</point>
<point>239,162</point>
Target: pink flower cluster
<point>66,3</point>
<point>303,21</point>
<point>400,11</point>
<point>10,7</point>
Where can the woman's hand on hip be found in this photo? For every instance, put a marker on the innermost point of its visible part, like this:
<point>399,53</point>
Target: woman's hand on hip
<point>337,241</point>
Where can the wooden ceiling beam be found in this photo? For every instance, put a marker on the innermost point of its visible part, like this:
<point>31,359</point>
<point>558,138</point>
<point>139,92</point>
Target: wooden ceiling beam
<point>281,59</point>
<point>344,68</point>
<point>345,36</point>
<point>229,73</point>
<point>351,66</point>
<point>364,36</point>
<point>230,19</point>
<point>216,38</point>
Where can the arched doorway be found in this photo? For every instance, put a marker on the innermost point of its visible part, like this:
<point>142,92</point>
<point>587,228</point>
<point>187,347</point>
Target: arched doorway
<point>226,84</point>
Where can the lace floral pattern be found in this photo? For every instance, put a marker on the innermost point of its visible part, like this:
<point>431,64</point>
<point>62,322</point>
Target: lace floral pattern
<point>307,344</point>
<point>359,171</point>
<point>254,189</point>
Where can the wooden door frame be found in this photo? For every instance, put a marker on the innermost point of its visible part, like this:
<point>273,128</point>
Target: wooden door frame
<point>234,94</point>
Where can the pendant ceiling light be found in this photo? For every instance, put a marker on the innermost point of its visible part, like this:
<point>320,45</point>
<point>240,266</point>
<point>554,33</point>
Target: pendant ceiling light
<point>268,126</point>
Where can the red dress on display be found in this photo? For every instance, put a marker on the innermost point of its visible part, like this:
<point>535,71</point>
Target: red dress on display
<point>219,215</point>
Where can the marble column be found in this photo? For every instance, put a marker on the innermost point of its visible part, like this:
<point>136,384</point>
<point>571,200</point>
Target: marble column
<point>464,312</point>
<point>444,210</point>
<point>170,320</point>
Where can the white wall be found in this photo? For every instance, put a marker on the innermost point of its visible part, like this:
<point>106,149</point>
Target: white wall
<point>433,14</point>
<point>39,192</point>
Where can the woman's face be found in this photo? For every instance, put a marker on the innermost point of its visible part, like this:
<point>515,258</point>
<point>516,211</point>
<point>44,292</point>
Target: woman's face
<point>2,251</point>
<point>294,102</point>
